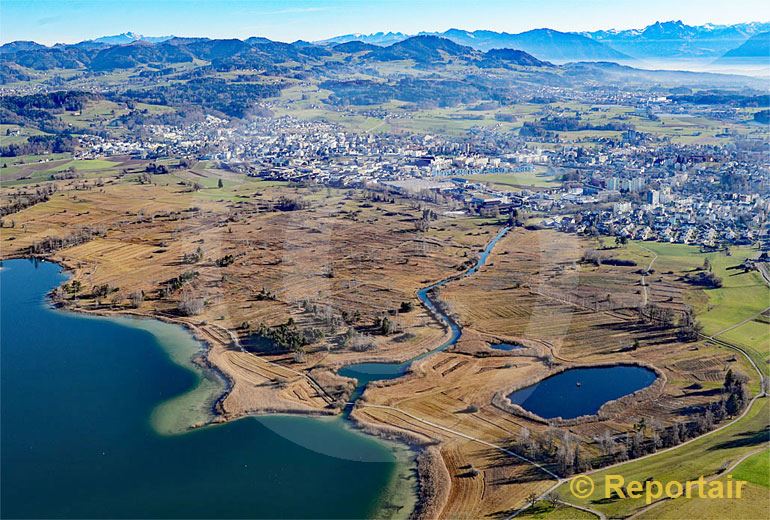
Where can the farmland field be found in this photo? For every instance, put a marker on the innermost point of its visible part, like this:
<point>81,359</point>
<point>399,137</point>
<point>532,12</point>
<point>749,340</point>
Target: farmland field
<point>732,312</point>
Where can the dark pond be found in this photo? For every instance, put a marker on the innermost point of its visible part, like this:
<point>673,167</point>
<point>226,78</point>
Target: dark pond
<point>581,391</point>
<point>506,346</point>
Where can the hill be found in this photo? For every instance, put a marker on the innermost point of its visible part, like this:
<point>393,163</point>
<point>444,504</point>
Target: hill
<point>353,47</point>
<point>422,49</point>
<point>757,47</point>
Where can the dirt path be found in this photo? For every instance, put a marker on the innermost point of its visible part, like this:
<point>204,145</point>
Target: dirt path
<point>315,384</point>
<point>464,436</point>
<point>645,296</point>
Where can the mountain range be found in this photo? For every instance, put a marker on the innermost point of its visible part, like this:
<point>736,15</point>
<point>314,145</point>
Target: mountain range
<point>544,44</point>
<point>230,75</point>
<point>254,53</point>
<point>674,39</point>
<point>129,37</point>
<point>482,49</point>
<point>661,40</point>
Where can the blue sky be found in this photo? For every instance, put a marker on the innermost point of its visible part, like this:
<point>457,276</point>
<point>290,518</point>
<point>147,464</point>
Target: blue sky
<point>67,21</point>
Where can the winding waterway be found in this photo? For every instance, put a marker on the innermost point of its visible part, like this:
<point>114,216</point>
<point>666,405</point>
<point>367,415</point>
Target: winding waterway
<point>364,373</point>
<point>92,410</point>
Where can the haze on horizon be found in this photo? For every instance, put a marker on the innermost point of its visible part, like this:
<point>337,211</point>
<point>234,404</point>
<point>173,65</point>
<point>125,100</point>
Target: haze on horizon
<point>71,21</point>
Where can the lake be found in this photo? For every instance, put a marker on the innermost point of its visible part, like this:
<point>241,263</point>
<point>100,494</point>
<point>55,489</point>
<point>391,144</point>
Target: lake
<point>581,391</point>
<point>95,416</point>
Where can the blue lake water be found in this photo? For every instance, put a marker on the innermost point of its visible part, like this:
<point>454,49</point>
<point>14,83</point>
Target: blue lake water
<point>506,346</point>
<point>92,410</point>
<point>581,391</point>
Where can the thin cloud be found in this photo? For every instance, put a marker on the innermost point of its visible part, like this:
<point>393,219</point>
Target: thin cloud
<point>297,10</point>
<point>48,20</point>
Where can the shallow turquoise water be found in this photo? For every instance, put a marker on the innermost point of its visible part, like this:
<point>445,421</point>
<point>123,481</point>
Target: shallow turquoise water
<point>80,418</point>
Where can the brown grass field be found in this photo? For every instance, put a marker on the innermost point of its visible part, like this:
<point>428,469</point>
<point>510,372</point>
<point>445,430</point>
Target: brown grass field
<point>350,257</point>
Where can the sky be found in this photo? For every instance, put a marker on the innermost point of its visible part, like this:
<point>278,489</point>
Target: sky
<point>69,21</point>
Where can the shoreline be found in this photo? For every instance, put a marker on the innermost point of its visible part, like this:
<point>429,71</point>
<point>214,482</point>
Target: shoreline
<point>406,454</point>
<point>433,480</point>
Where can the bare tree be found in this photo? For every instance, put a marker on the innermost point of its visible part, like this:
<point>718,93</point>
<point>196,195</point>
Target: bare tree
<point>135,299</point>
<point>190,304</point>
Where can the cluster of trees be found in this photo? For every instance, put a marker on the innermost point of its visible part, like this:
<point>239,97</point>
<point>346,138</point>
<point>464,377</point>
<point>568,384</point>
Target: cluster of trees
<point>763,116</point>
<point>157,169</point>
<point>357,341</point>
<point>735,393</point>
<point>592,256</point>
<point>102,291</point>
<point>548,126</point>
<point>287,336</point>
<point>423,223</point>
<point>688,328</point>
<point>424,92</point>
<point>73,287</point>
<point>291,204</point>
<point>39,107</point>
<point>572,124</point>
<point>265,295</point>
<point>39,145</point>
<point>23,200</point>
<point>52,244</point>
<point>232,99</point>
<point>171,286</point>
<point>225,261</point>
<point>406,307</point>
<point>555,446</point>
<point>194,257</point>
<point>704,279</point>
<point>723,98</point>
<point>384,326</point>
<point>135,299</point>
<point>657,315</point>
<point>351,317</point>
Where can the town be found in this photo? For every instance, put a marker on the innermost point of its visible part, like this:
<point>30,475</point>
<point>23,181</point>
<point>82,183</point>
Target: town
<point>637,186</point>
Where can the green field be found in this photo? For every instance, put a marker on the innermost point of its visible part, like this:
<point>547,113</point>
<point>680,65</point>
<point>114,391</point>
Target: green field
<point>753,505</point>
<point>755,469</point>
<point>86,165</point>
<point>544,510</point>
<point>754,502</point>
<point>703,456</point>
<point>742,297</point>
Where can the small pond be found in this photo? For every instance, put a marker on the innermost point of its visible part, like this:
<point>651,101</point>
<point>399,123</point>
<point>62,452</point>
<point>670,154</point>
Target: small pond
<point>506,346</point>
<point>581,391</point>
